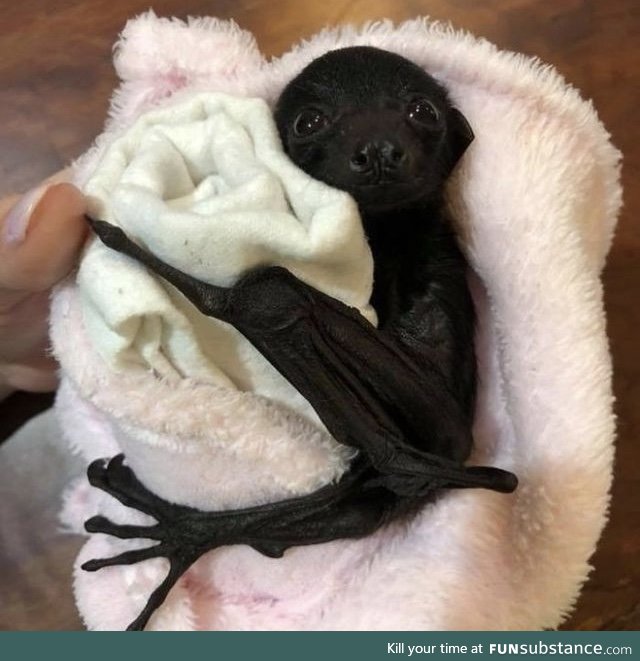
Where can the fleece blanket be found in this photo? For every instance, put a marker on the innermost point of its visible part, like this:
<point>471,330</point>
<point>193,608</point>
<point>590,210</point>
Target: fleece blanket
<point>535,199</point>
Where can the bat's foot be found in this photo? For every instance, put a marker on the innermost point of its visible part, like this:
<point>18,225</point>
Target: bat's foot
<point>182,534</point>
<point>119,481</point>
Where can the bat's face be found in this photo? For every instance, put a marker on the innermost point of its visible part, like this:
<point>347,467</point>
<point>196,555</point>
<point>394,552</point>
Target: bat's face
<point>374,124</point>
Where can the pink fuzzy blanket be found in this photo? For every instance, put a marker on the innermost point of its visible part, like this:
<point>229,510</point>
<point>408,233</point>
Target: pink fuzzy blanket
<point>536,199</point>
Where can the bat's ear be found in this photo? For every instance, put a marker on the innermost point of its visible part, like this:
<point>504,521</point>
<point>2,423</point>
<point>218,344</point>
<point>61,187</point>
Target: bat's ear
<point>460,136</point>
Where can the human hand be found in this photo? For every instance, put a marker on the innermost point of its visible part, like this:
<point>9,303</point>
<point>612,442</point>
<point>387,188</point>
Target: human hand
<point>41,234</point>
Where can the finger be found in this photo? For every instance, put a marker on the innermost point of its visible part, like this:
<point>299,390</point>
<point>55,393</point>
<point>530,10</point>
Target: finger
<point>38,377</point>
<point>40,236</point>
<point>31,197</point>
<point>60,177</point>
<point>41,247</point>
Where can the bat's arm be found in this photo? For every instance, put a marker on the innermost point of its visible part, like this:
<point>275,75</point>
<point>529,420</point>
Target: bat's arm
<point>366,385</point>
<point>209,299</point>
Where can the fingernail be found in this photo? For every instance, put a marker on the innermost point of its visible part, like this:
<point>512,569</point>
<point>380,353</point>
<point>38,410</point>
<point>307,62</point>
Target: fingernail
<point>17,219</point>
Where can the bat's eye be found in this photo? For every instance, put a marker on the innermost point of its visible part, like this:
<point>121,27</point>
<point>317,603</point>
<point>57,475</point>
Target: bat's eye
<point>423,112</point>
<point>309,121</point>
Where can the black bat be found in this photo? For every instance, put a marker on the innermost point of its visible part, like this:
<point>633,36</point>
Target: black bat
<point>376,125</point>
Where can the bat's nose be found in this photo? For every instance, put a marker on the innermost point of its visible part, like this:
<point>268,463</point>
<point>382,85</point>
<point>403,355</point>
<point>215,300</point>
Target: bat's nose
<point>377,157</point>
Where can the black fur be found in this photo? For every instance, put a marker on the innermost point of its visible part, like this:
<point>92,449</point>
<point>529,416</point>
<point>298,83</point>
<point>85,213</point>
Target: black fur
<point>365,96</point>
<point>379,127</point>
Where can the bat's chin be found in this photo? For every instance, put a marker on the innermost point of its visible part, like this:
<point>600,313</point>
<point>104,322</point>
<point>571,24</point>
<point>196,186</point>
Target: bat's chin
<point>380,195</point>
<point>388,196</point>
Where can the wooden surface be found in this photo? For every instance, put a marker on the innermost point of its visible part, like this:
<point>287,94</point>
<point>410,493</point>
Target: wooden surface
<point>56,78</point>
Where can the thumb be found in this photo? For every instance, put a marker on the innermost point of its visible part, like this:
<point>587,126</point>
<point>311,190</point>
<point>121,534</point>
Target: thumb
<point>41,236</point>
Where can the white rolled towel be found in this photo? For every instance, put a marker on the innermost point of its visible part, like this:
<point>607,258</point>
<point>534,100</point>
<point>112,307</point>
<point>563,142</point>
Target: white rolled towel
<point>205,185</point>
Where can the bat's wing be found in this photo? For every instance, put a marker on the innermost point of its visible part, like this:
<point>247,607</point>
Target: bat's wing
<point>364,386</point>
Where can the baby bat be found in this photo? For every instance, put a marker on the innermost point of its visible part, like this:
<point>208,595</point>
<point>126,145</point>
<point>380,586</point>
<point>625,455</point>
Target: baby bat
<point>376,125</point>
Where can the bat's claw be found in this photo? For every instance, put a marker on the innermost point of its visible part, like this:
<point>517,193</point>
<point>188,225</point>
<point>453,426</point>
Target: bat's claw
<point>119,481</point>
<point>103,525</point>
<point>99,524</point>
<point>114,237</point>
<point>271,550</point>
<point>109,234</point>
<point>496,479</point>
<point>126,558</point>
